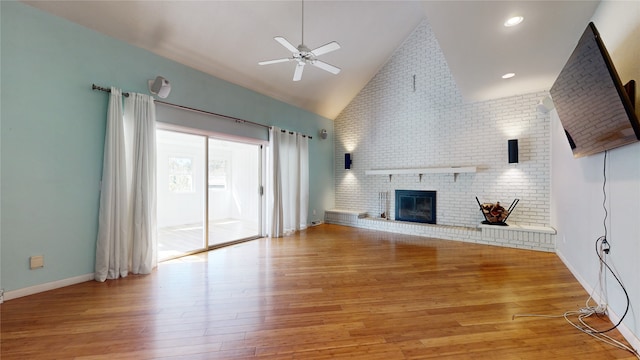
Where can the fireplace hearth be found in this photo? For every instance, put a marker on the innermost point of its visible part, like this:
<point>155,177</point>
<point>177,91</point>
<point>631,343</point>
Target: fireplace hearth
<point>416,206</point>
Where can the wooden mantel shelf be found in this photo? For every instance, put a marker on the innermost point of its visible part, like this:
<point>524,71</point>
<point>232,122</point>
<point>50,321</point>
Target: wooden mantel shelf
<point>435,170</point>
<point>455,170</point>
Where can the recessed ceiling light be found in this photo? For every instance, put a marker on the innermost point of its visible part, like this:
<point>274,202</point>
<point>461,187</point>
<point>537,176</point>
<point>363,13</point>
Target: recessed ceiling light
<point>513,21</point>
<point>508,75</point>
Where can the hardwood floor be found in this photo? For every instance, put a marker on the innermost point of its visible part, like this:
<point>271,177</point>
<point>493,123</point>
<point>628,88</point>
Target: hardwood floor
<point>329,292</point>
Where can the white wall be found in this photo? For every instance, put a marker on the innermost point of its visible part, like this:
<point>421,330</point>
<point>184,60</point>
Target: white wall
<point>389,125</point>
<point>577,184</point>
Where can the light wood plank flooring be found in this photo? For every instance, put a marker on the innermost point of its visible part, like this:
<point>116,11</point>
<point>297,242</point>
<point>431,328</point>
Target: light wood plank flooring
<point>329,292</point>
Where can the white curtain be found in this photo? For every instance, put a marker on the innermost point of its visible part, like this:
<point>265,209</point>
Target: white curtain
<point>289,182</point>
<point>112,253</point>
<point>302,145</point>
<point>140,116</point>
<point>127,219</point>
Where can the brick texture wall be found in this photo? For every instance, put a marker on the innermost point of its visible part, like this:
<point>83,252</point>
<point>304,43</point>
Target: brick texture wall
<point>393,125</point>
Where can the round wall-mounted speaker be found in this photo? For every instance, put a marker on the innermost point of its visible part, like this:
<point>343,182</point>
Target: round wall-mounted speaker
<point>545,105</point>
<point>160,86</point>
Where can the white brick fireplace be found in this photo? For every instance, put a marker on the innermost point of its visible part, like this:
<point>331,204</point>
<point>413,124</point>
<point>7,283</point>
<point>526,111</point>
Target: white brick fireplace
<point>392,125</point>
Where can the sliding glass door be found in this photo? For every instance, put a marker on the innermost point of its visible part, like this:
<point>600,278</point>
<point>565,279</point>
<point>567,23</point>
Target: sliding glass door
<point>181,193</point>
<point>234,191</point>
<point>208,192</point>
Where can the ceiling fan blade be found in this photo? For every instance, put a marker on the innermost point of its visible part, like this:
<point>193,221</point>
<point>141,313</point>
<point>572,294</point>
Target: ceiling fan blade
<point>332,46</point>
<point>286,44</point>
<point>269,62</point>
<point>298,74</point>
<point>327,67</point>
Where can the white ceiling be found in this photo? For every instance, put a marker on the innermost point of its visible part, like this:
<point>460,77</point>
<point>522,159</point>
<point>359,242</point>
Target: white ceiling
<point>227,39</point>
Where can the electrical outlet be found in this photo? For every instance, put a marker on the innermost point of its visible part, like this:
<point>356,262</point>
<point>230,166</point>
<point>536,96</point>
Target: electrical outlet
<point>36,262</point>
<point>1,296</point>
<point>314,211</point>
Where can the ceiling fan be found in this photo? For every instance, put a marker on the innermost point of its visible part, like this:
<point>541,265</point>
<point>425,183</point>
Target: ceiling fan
<point>303,55</point>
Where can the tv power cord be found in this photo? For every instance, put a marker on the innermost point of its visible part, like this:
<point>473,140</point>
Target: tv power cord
<point>603,248</point>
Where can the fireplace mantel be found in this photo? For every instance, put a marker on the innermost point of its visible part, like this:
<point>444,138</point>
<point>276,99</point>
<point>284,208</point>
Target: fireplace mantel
<point>455,170</point>
<point>434,170</point>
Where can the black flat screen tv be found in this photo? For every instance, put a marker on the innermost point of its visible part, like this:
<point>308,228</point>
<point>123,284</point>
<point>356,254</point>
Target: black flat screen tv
<point>594,107</point>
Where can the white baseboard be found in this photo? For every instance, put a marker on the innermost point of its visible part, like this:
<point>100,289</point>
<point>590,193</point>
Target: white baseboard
<point>633,340</point>
<point>14,294</point>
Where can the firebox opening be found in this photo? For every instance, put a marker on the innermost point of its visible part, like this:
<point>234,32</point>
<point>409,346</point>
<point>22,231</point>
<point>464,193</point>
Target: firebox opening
<point>416,206</point>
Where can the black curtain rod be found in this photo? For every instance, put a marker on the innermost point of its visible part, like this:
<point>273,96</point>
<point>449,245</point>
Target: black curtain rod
<point>96,87</point>
<point>238,120</point>
<point>291,133</point>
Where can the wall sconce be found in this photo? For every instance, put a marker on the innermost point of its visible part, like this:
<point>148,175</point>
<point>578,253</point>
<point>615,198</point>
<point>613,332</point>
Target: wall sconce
<point>347,161</point>
<point>513,151</point>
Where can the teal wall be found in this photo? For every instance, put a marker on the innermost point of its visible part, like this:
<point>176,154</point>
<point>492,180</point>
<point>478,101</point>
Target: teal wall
<point>52,135</point>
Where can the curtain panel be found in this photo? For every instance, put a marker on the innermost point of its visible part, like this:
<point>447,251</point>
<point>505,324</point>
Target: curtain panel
<point>288,181</point>
<point>140,116</point>
<point>127,238</point>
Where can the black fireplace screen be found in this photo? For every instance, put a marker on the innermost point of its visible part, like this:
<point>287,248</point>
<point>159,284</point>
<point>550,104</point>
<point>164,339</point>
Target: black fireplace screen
<point>416,206</point>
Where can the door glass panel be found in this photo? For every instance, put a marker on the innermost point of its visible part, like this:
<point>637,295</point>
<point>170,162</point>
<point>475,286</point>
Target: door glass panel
<point>234,199</point>
<point>181,193</point>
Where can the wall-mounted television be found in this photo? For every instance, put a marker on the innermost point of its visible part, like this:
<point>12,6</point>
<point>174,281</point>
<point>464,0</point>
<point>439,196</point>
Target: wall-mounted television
<point>596,111</point>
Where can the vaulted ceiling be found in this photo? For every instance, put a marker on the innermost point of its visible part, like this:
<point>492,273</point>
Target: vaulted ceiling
<point>227,39</point>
